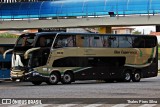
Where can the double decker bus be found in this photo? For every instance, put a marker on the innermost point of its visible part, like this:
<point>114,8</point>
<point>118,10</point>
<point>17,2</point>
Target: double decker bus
<point>5,64</point>
<point>33,41</point>
<point>87,56</point>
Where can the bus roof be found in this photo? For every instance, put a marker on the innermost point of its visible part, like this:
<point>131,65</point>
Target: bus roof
<point>66,33</point>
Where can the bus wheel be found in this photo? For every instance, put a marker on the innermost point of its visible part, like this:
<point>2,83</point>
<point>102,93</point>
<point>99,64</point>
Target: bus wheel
<point>136,77</point>
<point>36,82</point>
<point>127,76</point>
<point>53,79</point>
<point>67,78</point>
<point>13,79</point>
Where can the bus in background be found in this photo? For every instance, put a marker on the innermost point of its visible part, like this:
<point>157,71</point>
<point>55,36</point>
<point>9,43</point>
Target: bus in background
<point>36,41</point>
<point>84,56</point>
<point>5,64</point>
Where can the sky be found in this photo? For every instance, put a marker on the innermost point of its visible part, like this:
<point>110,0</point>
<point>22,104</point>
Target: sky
<point>147,29</point>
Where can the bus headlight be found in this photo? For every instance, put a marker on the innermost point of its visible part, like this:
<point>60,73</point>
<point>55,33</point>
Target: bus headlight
<point>35,74</point>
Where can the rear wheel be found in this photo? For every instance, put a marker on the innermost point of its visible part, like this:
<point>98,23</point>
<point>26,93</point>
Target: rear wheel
<point>127,76</point>
<point>67,78</point>
<point>136,77</point>
<point>53,79</point>
<point>36,82</point>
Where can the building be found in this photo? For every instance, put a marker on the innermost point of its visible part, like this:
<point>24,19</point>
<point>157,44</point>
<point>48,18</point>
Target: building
<point>157,34</point>
<point>122,30</point>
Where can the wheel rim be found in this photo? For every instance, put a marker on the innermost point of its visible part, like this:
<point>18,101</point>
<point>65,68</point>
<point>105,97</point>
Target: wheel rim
<point>53,78</point>
<point>127,76</point>
<point>67,78</point>
<point>137,76</point>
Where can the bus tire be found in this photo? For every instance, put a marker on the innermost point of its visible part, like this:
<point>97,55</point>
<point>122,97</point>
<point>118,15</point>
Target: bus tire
<point>127,76</point>
<point>36,82</point>
<point>136,77</point>
<point>67,78</point>
<point>53,79</point>
<point>13,79</point>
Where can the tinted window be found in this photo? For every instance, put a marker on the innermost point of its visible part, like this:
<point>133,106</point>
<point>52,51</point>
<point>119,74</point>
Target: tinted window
<point>64,41</point>
<point>85,41</point>
<point>89,61</point>
<point>111,41</point>
<point>45,41</point>
<point>150,42</point>
<point>25,40</point>
<point>96,41</point>
<point>125,42</point>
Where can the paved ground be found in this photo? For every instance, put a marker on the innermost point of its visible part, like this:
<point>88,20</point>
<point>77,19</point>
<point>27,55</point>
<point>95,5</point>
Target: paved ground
<point>85,89</point>
<point>147,88</point>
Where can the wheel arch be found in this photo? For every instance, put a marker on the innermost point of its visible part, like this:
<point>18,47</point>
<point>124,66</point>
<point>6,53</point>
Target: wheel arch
<point>138,70</point>
<point>55,71</point>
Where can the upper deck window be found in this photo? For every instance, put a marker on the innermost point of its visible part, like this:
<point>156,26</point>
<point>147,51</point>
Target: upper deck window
<point>64,41</point>
<point>25,40</point>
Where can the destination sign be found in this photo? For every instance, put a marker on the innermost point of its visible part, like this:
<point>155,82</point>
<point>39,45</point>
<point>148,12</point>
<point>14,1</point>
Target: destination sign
<point>52,30</point>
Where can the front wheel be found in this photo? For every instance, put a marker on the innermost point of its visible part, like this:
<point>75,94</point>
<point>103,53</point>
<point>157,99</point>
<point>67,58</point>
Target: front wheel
<point>136,77</point>
<point>67,78</point>
<point>36,82</point>
<point>13,79</point>
<point>53,79</point>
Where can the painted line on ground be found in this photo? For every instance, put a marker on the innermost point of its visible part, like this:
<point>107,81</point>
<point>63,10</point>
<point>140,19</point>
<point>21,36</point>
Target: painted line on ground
<point>148,105</point>
<point>69,105</point>
<point>16,105</point>
<point>121,105</point>
<point>95,105</point>
<point>42,105</point>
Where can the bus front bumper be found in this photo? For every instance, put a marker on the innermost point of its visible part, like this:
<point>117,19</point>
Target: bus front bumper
<point>17,75</point>
<point>34,76</point>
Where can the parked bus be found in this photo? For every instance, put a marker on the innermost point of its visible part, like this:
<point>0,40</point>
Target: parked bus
<point>36,41</point>
<point>5,64</point>
<point>83,56</point>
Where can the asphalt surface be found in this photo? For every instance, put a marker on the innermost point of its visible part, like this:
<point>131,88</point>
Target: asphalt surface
<point>147,88</point>
<point>86,90</point>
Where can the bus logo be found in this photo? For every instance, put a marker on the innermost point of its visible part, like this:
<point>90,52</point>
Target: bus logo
<point>6,101</point>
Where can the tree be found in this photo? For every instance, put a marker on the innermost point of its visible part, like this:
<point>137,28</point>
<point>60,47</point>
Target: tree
<point>136,32</point>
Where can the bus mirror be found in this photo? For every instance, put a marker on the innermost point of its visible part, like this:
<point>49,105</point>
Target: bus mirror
<point>29,51</point>
<point>4,54</point>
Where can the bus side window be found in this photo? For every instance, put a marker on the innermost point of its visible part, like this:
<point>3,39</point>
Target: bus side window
<point>64,41</point>
<point>96,41</point>
<point>138,42</point>
<point>111,41</point>
<point>82,41</point>
<point>125,42</point>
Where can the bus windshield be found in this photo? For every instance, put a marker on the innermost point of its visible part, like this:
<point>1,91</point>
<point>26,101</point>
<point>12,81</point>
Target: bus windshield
<point>25,40</point>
